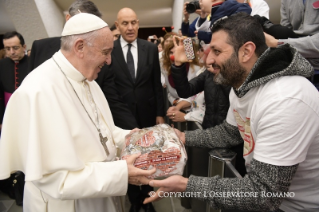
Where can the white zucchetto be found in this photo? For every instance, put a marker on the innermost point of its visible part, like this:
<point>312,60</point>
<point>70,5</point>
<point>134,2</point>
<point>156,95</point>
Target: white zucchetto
<point>82,23</point>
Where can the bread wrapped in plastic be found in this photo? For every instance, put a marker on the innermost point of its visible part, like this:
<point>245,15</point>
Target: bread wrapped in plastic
<point>160,147</point>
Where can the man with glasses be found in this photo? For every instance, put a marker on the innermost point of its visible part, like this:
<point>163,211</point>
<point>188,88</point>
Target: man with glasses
<point>13,69</point>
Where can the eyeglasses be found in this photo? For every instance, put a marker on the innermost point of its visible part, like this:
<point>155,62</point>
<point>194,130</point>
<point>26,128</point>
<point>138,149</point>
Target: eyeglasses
<point>15,48</point>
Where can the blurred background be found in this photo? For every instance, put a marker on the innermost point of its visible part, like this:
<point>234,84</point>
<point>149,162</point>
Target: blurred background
<point>37,19</point>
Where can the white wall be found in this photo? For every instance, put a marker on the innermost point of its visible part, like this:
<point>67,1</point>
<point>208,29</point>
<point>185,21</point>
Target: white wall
<point>5,21</point>
<point>34,19</point>
<point>177,14</point>
<point>274,10</point>
<point>26,19</point>
<point>52,17</point>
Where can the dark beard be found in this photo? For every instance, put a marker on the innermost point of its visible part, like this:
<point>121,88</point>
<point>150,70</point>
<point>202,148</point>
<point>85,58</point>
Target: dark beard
<point>231,72</point>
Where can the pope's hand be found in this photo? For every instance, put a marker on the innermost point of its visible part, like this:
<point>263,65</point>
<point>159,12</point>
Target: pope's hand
<point>134,130</point>
<point>172,184</point>
<point>137,176</point>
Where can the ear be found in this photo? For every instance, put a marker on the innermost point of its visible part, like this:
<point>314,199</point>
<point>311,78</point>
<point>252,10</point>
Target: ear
<point>67,17</point>
<point>78,48</point>
<point>246,52</point>
<point>117,24</point>
<point>24,47</point>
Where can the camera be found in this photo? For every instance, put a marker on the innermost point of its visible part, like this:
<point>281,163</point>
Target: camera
<point>192,6</point>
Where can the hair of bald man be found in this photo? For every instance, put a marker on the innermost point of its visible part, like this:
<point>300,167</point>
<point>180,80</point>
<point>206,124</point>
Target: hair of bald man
<point>67,42</point>
<point>84,6</point>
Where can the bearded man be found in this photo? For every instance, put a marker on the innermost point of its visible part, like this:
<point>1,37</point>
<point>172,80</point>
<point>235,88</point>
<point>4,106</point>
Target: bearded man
<point>274,111</point>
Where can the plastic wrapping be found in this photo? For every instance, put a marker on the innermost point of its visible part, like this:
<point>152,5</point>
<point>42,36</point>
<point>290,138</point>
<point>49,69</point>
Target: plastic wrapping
<point>160,147</point>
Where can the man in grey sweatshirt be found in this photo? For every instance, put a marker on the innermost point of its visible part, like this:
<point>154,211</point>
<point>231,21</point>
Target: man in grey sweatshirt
<point>274,111</point>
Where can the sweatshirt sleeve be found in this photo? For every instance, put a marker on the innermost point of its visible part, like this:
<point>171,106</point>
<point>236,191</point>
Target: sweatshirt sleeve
<point>224,135</point>
<point>248,193</point>
<point>184,87</point>
<point>308,47</point>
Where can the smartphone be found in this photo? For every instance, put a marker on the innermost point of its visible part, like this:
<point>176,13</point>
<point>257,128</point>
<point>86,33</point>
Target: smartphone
<point>151,37</point>
<point>189,49</point>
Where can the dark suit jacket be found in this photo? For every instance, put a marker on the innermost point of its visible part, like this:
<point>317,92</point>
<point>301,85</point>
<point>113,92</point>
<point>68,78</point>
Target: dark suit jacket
<point>145,96</point>
<point>44,49</point>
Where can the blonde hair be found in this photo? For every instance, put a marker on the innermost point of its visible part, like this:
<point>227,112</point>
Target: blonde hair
<point>166,60</point>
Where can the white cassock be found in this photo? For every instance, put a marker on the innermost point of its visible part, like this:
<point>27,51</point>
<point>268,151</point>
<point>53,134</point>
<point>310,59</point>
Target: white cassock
<point>49,136</point>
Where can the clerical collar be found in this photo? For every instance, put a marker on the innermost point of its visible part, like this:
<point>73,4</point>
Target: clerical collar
<point>124,42</point>
<point>69,70</point>
<point>18,61</point>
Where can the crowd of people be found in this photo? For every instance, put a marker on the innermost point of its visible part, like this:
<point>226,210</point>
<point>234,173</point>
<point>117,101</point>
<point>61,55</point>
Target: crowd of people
<point>68,104</point>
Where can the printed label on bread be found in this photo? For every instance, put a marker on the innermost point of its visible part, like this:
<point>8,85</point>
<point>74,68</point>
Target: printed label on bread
<point>160,147</point>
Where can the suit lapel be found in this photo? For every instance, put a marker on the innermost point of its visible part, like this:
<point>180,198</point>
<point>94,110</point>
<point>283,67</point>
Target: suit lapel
<point>141,60</point>
<point>117,54</point>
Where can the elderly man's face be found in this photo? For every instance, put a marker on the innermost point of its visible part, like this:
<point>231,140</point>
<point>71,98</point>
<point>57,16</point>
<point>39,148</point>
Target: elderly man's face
<point>128,25</point>
<point>98,54</point>
<point>14,49</point>
<point>223,61</point>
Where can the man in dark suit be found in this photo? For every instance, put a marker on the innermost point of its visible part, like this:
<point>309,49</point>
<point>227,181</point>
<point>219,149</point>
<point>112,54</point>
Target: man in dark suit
<point>43,50</point>
<point>136,68</point>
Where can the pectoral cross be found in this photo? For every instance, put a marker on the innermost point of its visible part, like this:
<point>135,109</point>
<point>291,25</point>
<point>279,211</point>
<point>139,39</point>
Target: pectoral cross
<point>103,142</point>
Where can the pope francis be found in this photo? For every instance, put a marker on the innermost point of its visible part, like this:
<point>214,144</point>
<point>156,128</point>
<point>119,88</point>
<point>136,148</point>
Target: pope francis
<point>58,129</point>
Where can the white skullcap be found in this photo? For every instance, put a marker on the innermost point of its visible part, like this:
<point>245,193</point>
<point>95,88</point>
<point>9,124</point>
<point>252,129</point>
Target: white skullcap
<point>82,23</point>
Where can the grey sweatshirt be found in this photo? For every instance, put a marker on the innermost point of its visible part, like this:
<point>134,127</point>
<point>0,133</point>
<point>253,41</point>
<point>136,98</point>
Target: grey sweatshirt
<point>263,177</point>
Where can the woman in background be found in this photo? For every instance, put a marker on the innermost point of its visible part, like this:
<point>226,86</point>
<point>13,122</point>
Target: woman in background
<point>166,61</point>
<point>197,105</point>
